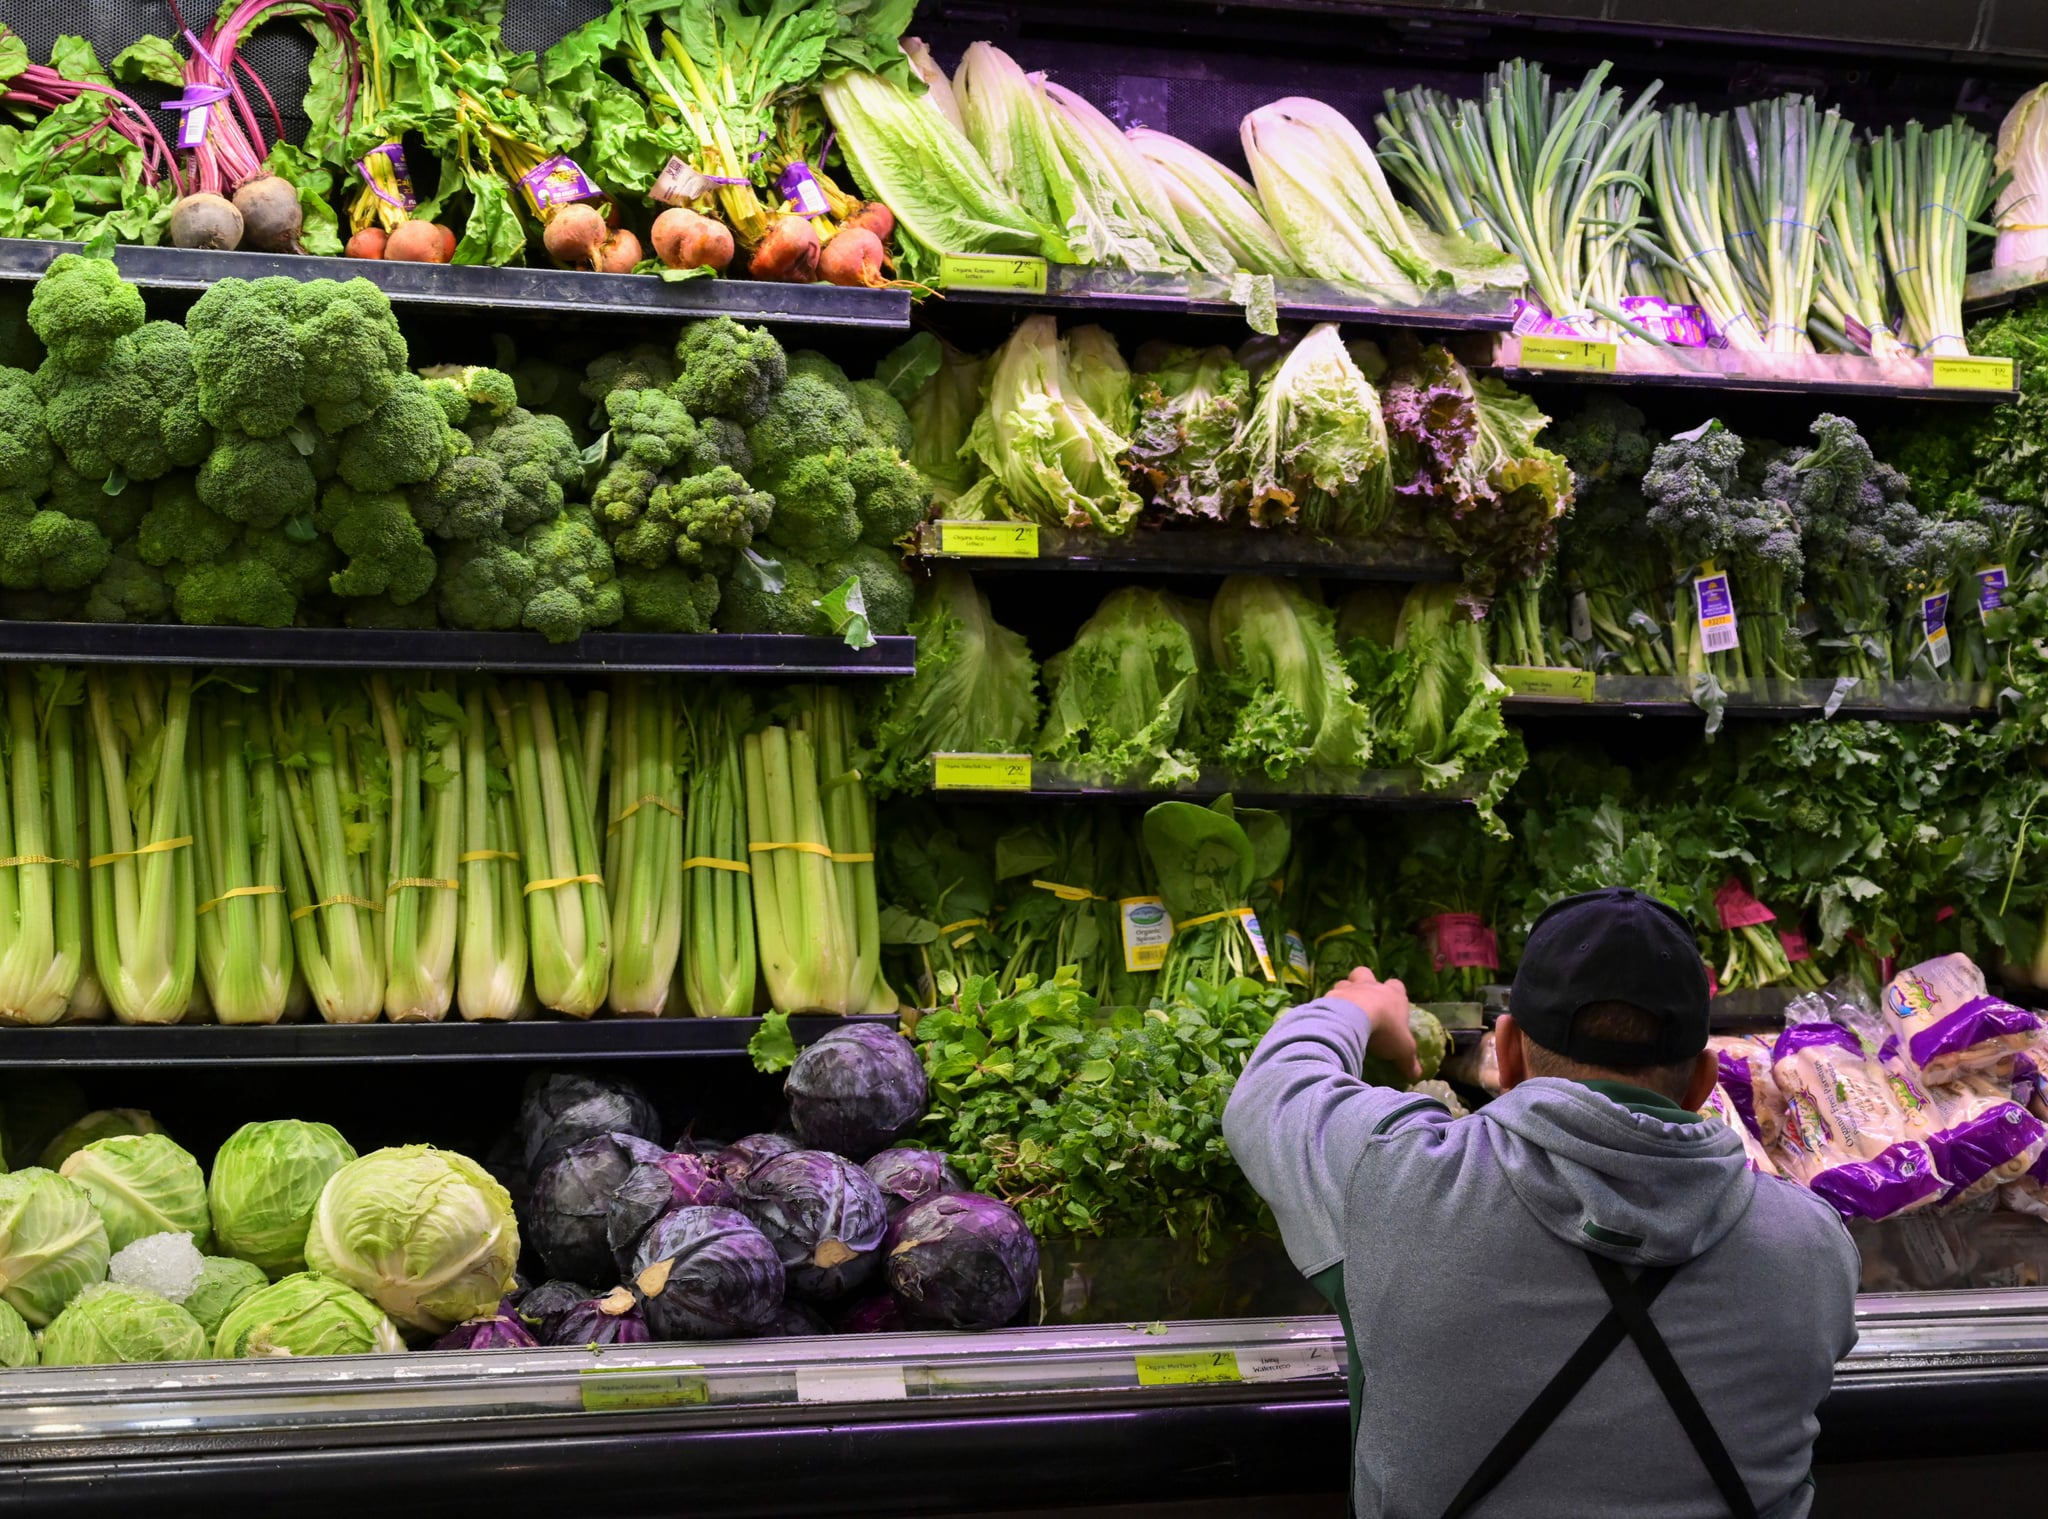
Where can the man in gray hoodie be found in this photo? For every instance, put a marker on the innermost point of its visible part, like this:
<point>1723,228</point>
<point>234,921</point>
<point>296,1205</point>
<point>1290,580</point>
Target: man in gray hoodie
<point>1578,1301</point>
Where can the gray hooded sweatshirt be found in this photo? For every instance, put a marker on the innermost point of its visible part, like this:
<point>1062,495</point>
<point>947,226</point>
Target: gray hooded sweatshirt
<point>1455,1252</point>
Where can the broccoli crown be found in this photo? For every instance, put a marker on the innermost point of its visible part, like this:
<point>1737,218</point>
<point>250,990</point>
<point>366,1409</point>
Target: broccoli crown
<point>1706,509</point>
<point>642,367</point>
<point>387,556</point>
<point>179,528</point>
<point>128,590</point>
<point>650,428</point>
<point>257,481</point>
<point>817,513</point>
<point>808,416</point>
<point>621,497</point>
<point>405,441</point>
<point>82,308</point>
<point>46,550</point>
<point>466,499</point>
<point>893,496</point>
<point>352,348</point>
<point>574,586</point>
<point>26,453</point>
<point>1604,440</point>
<point>300,558</point>
<point>888,423</point>
<point>471,393</point>
<point>484,584</point>
<point>721,442</point>
<point>133,415</point>
<point>808,361</point>
<point>696,521</point>
<point>240,592</point>
<point>753,603</point>
<point>245,354</point>
<point>117,515</point>
<point>541,462</point>
<point>669,599</point>
<point>886,591</point>
<point>728,370</point>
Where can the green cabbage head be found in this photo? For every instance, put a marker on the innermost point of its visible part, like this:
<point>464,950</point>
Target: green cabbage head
<point>52,1244</point>
<point>304,1315</point>
<point>223,1282</point>
<point>112,1325</point>
<point>143,1184</point>
<point>17,1343</point>
<point>427,1234</point>
<point>266,1181</point>
<point>104,1124</point>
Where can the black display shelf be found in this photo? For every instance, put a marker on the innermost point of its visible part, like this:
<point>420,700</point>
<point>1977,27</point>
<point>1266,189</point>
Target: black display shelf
<point>1113,292</point>
<point>1387,789</point>
<point>773,654</point>
<point>1526,360</point>
<point>1898,701</point>
<point>505,290</point>
<point>1201,552</point>
<point>297,1044</point>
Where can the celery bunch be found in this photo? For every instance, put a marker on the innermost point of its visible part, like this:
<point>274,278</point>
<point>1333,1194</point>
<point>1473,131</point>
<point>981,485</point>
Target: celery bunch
<point>42,927</point>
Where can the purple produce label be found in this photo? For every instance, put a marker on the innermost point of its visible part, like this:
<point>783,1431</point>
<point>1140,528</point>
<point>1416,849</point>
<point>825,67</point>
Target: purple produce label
<point>1977,1021</point>
<point>557,182</point>
<point>800,187</point>
<point>195,108</point>
<point>1901,1177</point>
<point>1806,1036</point>
<point>1978,1146</point>
<point>401,176</point>
<point>1991,588</point>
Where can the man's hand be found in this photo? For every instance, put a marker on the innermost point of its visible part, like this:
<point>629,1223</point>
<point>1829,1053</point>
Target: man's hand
<point>1385,1005</point>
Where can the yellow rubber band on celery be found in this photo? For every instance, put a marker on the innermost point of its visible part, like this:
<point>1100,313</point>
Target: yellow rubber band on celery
<point>161,846</point>
<point>706,862</point>
<point>237,891</point>
<point>420,883</point>
<point>486,854</point>
<point>800,847</point>
<point>36,859</point>
<point>646,801</point>
<point>344,901</point>
<point>560,881</point>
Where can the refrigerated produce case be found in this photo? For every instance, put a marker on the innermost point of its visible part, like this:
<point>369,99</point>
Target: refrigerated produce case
<point>1154,1412</point>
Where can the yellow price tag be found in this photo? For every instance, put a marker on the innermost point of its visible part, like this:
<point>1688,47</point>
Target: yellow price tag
<point>989,540</point>
<point>1973,373</point>
<point>624,1388</point>
<point>1536,680</point>
<point>1569,353</point>
<point>990,271</point>
<point>1188,1368</point>
<point>981,772</point>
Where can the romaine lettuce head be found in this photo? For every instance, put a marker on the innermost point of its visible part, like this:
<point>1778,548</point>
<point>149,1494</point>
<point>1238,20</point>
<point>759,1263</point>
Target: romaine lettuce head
<point>961,1261</point>
<point>1317,443</point>
<point>305,1315</point>
<point>17,1343</point>
<point>1286,699</point>
<point>266,1180</point>
<point>53,1244</point>
<point>1124,694</point>
<point>143,1184</point>
<point>707,1274</point>
<point>825,1217</point>
<point>112,1325</point>
<point>856,1090</point>
<point>223,1283</point>
<point>426,1234</point>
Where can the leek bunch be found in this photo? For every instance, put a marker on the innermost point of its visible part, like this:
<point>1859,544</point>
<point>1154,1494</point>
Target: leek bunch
<point>422,726</point>
<point>238,824</point>
<point>644,842</point>
<point>568,916</point>
<point>139,832</point>
<point>718,966</point>
<point>42,840</point>
<point>337,844</point>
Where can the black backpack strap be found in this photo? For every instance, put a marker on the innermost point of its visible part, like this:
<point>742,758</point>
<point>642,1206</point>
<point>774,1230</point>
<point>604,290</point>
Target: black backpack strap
<point>1542,1412</point>
<point>1634,1311</point>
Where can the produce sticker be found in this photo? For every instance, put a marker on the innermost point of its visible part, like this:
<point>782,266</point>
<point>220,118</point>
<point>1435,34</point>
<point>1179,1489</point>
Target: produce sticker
<point>1934,618</point>
<point>1188,1368</point>
<point>1581,354</point>
<point>1459,941</point>
<point>1716,602</point>
<point>990,271</point>
<point>557,182</point>
<point>989,540</point>
<point>1738,909</point>
<point>981,772</point>
<point>1793,942</point>
<point>621,1389</point>
<point>1147,932</point>
<point>1257,935</point>
<point>1294,958</point>
<point>1991,588</point>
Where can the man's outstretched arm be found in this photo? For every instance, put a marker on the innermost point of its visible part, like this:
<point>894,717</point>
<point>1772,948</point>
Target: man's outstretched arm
<point>1300,1118</point>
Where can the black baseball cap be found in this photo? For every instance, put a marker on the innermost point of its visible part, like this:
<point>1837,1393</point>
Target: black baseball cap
<point>1616,945</point>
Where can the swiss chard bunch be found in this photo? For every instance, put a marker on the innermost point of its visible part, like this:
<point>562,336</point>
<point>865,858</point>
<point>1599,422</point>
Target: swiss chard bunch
<point>1097,1121</point>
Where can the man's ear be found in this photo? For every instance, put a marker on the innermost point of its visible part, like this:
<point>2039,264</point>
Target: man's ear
<point>1510,1052</point>
<point>1706,1075</point>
